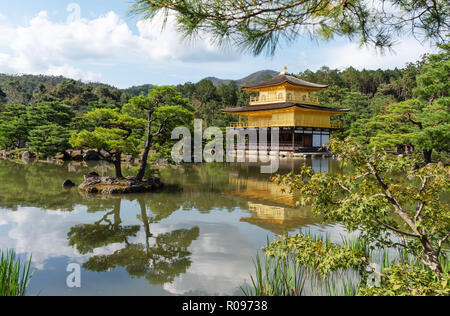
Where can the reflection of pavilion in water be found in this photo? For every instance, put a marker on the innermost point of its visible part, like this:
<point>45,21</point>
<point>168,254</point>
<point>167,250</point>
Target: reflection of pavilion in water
<point>292,164</point>
<point>273,207</point>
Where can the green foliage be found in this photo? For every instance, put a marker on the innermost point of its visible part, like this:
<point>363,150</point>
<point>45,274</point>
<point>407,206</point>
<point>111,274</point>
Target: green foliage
<point>321,255</point>
<point>112,131</point>
<point>13,126</point>
<point>108,139</point>
<point>14,274</point>
<point>48,139</point>
<point>433,81</point>
<point>263,25</point>
<point>208,100</point>
<point>422,123</point>
<point>383,197</point>
<point>162,143</point>
<point>49,112</point>
<point>311,264</point>
<point>412,122</point>
<point>42,128</point>
<point>48,127</point>
<point>407,280</point>
<point>163,102</point>
<point>97,105</point>
<point>32,90</point>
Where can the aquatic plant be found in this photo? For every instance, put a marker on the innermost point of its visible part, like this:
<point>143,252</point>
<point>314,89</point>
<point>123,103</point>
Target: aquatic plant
<point>15,275</point>
<point>310,264</point>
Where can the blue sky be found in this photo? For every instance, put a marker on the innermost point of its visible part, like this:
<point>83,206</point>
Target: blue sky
<point>99,41</point>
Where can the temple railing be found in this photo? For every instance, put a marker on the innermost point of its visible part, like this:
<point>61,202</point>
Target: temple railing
<point>276,123</point>
<point>274,99</point>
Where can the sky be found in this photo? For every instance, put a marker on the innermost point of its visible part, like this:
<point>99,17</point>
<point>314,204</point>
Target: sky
<point>98,40</point>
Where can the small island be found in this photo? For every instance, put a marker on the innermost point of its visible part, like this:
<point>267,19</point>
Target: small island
<point>95,184</point>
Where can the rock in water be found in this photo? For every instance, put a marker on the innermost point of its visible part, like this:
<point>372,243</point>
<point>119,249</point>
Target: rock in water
<point>77,158</point>
<point>68,183</point>
<point>91,175</point>
<point>63,156</point>
<point>27,155</point>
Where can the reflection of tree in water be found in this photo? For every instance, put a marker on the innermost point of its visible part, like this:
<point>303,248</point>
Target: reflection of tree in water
<point>159,260</point>
<point>87,237</point>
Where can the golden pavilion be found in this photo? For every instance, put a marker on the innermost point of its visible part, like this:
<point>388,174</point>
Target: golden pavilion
<point>285,102</point>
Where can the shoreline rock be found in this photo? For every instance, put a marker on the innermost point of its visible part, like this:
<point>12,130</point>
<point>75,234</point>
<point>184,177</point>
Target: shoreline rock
<point>26,155</point>
<point>92,155</point>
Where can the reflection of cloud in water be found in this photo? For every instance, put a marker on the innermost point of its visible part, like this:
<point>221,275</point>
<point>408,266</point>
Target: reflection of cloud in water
<point>40,233</point>
<point>44,235</point>
<point>221,260</point>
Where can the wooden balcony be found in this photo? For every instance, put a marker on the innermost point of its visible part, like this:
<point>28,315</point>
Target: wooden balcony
<point>265,100</point>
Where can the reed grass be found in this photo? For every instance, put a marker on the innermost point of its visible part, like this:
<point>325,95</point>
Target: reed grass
<point>276,277</point>
<point>285,277</point>
<point>15,275</point>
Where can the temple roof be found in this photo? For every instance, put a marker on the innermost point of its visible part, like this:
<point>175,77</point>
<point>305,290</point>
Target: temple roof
<point>282,78</point>
<point>284,105</point>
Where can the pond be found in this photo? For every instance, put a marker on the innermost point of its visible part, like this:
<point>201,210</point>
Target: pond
<point>199,236</point>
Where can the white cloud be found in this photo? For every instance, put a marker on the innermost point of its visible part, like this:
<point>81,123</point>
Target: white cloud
<point>407,50</point>
<point>71,72</point>
<point>44,235</point>
<point>67,48</point>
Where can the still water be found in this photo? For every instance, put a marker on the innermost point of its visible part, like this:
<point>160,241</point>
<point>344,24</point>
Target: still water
<point>196,237</point>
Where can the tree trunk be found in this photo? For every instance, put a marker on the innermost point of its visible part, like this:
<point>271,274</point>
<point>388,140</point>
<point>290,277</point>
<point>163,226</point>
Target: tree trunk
<point>148,143</point>
<point>433,260</point>
<point>146,222</point>
<point>117,219</point>
<point>118,165</point>
<point>427,155</point>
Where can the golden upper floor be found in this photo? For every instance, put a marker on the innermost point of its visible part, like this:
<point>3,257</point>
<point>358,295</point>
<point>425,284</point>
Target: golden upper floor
<point>283,95</point>
<point>285,101</point>
<point>283,88</point>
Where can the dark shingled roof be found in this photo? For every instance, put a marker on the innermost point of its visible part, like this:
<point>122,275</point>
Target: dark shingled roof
<point>284,105</point>
<point>281,78</point>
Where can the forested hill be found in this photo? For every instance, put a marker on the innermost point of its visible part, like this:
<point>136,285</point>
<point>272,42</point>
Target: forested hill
<point>254,77</point>
<point>364,91</point>
<point>28,83</point>
<point>419,91</point>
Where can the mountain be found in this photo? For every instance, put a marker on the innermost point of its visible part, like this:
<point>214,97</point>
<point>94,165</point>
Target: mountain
<point>254,77</point>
